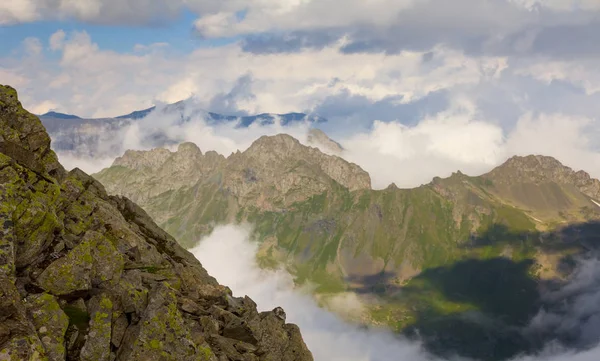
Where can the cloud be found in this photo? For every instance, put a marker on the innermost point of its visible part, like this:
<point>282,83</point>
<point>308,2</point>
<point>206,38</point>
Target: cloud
<point>90,81</point>
<point>33,46</point>
<point>575,314</point>
<point>229,256</point>
<point>231,101</point>
<point>556,28</point>
<point>456,140</point>
<point>404,117</point>
<point>57,40</point>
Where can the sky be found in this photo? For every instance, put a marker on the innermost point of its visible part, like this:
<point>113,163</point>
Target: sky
<point>437,84</point>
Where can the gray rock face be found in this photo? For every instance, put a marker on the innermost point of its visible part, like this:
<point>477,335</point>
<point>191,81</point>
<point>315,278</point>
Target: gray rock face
<point>276,171</point>
<point>319,139</point>
<point>87,276</point>
<point>539,169</point>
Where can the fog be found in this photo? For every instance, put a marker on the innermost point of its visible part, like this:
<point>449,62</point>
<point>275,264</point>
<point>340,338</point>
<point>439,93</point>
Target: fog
<point>229,256</point>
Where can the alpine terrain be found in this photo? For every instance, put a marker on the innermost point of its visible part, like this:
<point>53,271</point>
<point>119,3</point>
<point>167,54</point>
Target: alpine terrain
<point>461,262</point>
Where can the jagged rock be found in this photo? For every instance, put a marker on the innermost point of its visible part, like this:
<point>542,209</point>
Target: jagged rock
<point>87,276</point>
<point>19,340</point>
<point>119,327</point>
<point>97,344</point>
<point>93,263</point>
<point>539,169</point>
<point>51,324</point>
<point>319,139</point>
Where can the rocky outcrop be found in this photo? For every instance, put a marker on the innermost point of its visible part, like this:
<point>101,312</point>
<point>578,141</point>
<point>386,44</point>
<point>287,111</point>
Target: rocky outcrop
<point>319,139</point>
<point>538,169</point>
<point>277,169</point>
<point>87,276</point>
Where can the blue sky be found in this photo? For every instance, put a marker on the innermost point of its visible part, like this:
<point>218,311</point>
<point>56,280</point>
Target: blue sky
<point>178,32</point>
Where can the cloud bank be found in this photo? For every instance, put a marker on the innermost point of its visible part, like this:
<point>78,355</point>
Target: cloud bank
<point>229,256</point>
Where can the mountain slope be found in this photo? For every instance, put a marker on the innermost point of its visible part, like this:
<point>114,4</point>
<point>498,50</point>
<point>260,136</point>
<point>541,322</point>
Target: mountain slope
<point>318,215</point>
<point>87,276</point>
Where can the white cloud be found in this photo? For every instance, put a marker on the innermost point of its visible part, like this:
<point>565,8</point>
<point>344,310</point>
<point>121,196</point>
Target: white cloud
<point>57,39</point>
<point>456,140</point>
<point>16,11</point>
<point>33,46</point>
<point>229,256</point>
<point>410,156</point>
<point>281,82</point>
<point>43,107</point>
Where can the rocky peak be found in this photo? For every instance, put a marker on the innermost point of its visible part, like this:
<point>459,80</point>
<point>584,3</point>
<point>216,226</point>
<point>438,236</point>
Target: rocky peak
<point>284,150</point>
<point>140,159</point>
<point>277,146</point>
<point>189,148</point>
<point>319,139</point>
<point>542,169</point>
<point>87,276</point>
<point>24,138</point>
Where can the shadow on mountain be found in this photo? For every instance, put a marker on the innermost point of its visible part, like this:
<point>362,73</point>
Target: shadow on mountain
<point>497,297</point>
<point>584,236</point>
<point>478,308</point>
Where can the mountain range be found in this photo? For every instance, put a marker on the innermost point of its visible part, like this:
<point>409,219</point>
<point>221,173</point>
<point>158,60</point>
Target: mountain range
<point>461,253</point>
<point>90,277</point>
<point>103,136</point>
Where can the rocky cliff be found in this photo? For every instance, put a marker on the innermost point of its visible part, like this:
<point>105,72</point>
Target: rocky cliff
<point>88,276</point>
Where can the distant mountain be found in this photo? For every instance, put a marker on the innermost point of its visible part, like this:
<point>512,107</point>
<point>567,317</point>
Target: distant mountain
<point>440,256</point>
<point>103,137</point>
<point>244,121</point>
<point>59,115</point>
<point>138,114</point>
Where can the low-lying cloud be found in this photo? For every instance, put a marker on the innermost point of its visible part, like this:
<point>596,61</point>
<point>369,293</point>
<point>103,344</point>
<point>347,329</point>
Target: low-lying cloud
<point>229,256</point>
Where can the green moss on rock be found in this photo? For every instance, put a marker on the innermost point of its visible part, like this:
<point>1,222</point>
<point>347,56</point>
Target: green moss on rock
<point>51,324</point>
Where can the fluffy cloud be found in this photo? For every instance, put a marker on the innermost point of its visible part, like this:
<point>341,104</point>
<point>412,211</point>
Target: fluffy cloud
<point>555,28</point>
<point>457,140</point>
<point>228,256</point>
<point>90,81</point>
